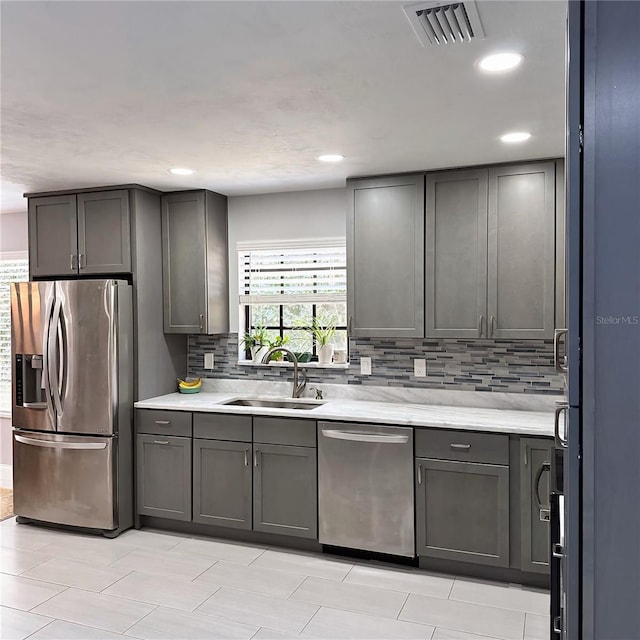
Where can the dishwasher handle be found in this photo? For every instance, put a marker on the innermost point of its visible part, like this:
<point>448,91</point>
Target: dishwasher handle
<point>363,436</point>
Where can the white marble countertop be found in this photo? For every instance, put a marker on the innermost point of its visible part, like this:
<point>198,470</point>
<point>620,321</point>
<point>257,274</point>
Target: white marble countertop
<point>536,423</point>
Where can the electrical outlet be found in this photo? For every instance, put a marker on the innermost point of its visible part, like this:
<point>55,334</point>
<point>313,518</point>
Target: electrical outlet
<point>365,366</point>
<point>420,368</point>
<point>208,360</point>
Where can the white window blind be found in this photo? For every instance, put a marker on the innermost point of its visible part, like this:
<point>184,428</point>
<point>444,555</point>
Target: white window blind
<point>293,274</point>
<point>14,267</point>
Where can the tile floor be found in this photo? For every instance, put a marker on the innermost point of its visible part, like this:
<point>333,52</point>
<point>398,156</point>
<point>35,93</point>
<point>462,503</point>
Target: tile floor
<point>154,585</point>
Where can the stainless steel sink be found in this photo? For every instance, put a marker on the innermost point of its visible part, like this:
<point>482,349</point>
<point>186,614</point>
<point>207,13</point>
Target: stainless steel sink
<point>275,403</point>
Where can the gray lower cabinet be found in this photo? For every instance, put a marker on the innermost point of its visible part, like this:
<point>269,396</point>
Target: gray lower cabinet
<point>222,483</point>
<point>385,256</point>
<point>462,511</point>
<point>84,233</point>
<point>285,490</point>
<point>53,236</point>
<point>535,466</point>
<point>164,476</point>
<point>194,262</point>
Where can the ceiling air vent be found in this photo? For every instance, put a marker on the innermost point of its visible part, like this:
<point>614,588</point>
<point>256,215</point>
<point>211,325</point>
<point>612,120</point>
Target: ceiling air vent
<point>445,22</point>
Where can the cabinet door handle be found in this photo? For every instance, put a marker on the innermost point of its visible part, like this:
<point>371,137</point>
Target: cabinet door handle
<point>419,474</point>
<point>559,361</point>
<point>246,458</point>
<point>201,322</point>
<point>255,458</point>
<point>163,421</point>
<point>526,455</point>
<point>480,325</point>
<point>545,466</point>
<point>73,262</point>
<point>82,263</point>
<point>492,327</point>
<point>161,442</point>
<point>464,447</point>
<point>561,442</point>
<point>349,325</point>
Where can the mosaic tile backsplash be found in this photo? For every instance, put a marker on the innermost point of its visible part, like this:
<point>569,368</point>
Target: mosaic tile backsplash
<point>514,366</point>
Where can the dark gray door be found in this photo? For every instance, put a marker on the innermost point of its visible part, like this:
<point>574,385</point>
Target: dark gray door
<point>456,254</point>
<point>462,511</point>
<point>535,468</point>
<point>385,256</point>
<point>104,232</point>
<point>184,262</point>
<point>53,236</point>
<point>285,490</point>
<point>521,251</point>
<point>163,474</point>
<point>222,483</point>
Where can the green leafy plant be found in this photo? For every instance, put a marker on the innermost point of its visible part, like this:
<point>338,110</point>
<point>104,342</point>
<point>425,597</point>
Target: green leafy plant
<point>256,338</point>
<point>323,330</point>
<point>279,341</point>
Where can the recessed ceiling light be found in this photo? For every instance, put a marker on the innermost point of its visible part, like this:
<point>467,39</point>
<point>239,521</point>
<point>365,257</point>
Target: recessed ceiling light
<point>498,62</point>
<point>181,171</point>
<point>331,157</point>
<point>515,136</point>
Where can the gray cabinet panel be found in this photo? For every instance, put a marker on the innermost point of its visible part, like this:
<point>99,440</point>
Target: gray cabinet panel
<point>535,455</point>
<point>301,433</point>
<point>466,446</point>
<point>285,490</point>
<point>462,511</point>
<point>216,426</point>
<point>160,422</point>
<point>195,262</point>
<point>104,232</point>
<point>163,473</point>
<point>184,262</point>
<point>521,241</point>
<point>456,253</point>
<point>53,236</point>
<point>222,483</point>
<point>385,256</point>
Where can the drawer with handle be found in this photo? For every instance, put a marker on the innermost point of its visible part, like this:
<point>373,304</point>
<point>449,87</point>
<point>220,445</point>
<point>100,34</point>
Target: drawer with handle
<point>168,423</point>
<point>450,444</point>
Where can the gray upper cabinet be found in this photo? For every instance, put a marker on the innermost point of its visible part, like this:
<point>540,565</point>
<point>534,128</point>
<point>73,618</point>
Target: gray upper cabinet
<point>84,233</point>
<point>163,480</point>
<point>521,250</point>
<point>385,256</point>
<point>104,232</point>
<point>53,236</point>
<point>535,463</point>
<point>462,511</point>
<point>285,490</point>
<point>222,483</point>
<point>491,252</point>
<point>194,259</point>
<point>456,253</point>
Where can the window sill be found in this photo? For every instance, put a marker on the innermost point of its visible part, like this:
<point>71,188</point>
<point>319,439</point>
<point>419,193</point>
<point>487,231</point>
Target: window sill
<point>286,365</point>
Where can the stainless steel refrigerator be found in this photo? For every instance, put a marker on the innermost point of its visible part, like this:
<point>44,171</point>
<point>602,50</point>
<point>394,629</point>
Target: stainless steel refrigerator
<point>72,373</point>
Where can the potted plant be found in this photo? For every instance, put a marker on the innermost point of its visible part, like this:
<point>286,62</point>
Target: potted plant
<point>323,332</point>
<point>257,342</point>
<point>278,342</point>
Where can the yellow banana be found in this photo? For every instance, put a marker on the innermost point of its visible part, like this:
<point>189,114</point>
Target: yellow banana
<point>189,384</point>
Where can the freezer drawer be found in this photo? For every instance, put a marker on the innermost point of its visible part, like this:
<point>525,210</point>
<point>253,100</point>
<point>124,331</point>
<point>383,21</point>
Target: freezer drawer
<point>365,492</point>
<point>65,479</point>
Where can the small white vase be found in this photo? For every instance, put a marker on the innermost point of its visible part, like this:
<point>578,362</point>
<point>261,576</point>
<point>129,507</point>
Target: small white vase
<point>325,354</point>
<point>257,353</point>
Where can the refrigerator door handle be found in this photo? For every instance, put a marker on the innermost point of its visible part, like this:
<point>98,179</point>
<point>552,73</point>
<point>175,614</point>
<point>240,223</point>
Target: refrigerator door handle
<point>561,441</point>
<point>51,444</point>
<point>112,312</point>
<point>52,356</point>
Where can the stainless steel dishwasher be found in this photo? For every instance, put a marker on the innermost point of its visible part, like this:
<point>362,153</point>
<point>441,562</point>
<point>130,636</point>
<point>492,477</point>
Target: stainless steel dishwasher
<point>365,479</point>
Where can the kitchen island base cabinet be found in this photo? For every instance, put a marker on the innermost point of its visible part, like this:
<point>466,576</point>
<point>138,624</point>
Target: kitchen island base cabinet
<point>222,483</point>
<point>462,511</point>
<point>164,476</point>
<point>285,490</point>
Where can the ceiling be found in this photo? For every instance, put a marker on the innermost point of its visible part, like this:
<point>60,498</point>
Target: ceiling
<point>249,93</point>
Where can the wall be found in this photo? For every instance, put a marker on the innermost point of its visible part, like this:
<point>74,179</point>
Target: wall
<point>281,216</point>
<point>513,366</point>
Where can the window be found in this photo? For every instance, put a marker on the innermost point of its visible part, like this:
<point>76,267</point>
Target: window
<point>285,286</point>
<point>14,267</point>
